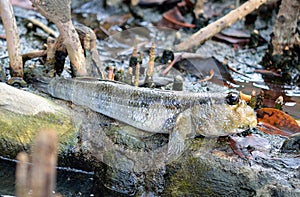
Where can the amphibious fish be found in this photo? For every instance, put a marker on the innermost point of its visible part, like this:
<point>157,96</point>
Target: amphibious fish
<point>181,114</point>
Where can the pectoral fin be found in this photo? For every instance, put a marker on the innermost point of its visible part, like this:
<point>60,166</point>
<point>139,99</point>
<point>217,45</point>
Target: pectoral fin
<point>176,144</point>
<point>177,138</point>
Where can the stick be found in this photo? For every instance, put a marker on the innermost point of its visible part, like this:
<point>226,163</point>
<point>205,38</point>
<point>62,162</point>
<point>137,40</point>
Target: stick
<point>46,29</point>
<point>212,29</point>
<point>12,38</point>
<point>44,159</point>
<point>34,54</point>
<point>22,175</point>
<point>59,12</point>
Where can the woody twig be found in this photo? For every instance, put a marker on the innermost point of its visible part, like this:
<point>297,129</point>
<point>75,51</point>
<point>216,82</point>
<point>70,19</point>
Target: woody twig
<point>59,12</point>
<point>212,29</point>
<point>12,38</point>
<point>38,178</point>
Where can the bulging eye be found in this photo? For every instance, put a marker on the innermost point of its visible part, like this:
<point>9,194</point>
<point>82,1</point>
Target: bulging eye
<point>232,98</point>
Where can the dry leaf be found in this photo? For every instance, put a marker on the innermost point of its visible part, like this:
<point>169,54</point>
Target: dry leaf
<point>274,121</point>
<point>174,17</point>
<point>244,146</point>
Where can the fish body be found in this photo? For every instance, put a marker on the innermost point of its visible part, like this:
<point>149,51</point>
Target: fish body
<point>181,114</point>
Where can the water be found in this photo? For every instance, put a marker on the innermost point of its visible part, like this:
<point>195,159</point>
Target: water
<point>70,182</point>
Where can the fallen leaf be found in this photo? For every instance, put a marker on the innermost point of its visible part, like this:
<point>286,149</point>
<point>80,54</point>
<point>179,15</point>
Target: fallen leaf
<point>244,146</point>
<point>174,18</point>
<point>231,32</point>
<point>231,39</point>
<point>201,67</point>
<point>104,28</point>
<point>242,152</point>
<point>277,122</point>
<point>272,130</point>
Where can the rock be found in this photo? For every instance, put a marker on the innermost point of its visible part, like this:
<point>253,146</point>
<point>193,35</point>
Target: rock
<point>25,103</point>
<point>208,168</point>
<point>216,172</point>
<point>23,114</point>
<point>292,144</point>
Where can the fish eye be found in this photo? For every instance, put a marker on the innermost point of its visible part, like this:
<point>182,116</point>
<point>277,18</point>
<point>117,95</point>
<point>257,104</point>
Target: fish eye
<point>232,98</point>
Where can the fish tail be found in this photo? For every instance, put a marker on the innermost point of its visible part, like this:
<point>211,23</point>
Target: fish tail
<point>41,83</point>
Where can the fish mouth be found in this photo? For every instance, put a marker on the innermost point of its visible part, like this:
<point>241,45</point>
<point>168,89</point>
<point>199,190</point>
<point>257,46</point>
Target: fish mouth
<point>252,120</point>
<point>248,115</point>
<point>253,123</point>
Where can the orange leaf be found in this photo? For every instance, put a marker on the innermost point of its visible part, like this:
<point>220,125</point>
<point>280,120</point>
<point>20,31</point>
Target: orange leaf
<point>274,121</point>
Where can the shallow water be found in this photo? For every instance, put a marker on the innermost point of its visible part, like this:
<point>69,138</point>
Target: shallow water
<point>70,182</point>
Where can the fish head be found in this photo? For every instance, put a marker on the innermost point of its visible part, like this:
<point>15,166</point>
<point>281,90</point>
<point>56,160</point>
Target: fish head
<point>239,117</point>
<point>223,118</point>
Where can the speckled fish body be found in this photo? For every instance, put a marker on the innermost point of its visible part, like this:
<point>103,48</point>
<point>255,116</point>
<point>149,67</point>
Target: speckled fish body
<point>155,110</point>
